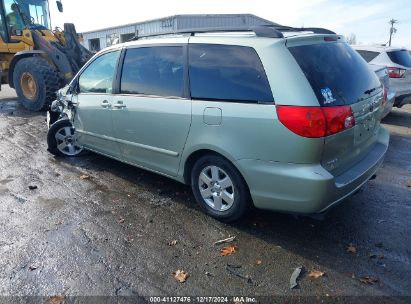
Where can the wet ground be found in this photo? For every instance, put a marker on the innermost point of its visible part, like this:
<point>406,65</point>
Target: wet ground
<point>94,226</point>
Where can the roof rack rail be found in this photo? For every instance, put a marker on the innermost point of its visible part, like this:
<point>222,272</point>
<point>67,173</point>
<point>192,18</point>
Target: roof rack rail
<point>267,31</point>
<point>260,31</point>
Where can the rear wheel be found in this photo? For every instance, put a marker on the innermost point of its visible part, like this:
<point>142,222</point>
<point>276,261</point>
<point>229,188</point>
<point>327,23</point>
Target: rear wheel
<point>62,140</point>
<point>36,83</point>
<point>219,188</point>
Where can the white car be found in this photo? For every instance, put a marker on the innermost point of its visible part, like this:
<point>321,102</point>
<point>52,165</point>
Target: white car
<point>382,73</point>
<point>398,62</point>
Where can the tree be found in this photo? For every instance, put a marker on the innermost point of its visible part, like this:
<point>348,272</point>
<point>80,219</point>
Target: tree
<point>351,39</point>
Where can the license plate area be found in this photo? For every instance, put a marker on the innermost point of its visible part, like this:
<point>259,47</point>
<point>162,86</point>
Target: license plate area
<point>365,129</point>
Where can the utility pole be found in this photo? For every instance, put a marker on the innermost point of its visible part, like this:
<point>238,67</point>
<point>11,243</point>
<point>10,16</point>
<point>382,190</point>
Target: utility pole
<point>392,29</point>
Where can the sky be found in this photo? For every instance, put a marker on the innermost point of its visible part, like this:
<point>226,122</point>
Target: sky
<point>367,19</point>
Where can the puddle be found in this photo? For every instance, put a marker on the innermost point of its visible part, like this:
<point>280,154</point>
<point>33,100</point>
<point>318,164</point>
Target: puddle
<point>7,107</point>
<point>51,203</point>
<point>5,181</point>
<point>3,189</point>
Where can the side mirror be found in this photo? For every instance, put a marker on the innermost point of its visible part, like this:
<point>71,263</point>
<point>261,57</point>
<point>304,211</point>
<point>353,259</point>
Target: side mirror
<point>59,6</point>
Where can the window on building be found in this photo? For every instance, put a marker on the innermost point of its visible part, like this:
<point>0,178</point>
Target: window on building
<point>126,37</point>
<point>223,72</point>
<point>94,45</point>
<point>155,71</point>
<point>112,39</point>
<point>98,76</point>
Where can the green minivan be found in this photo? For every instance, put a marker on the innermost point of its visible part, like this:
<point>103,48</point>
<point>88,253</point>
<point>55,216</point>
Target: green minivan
<point>287,122</point>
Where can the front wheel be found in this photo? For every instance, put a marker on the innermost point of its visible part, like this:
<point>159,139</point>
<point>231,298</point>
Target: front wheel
<point>219,188</point>
<point>62,140</point>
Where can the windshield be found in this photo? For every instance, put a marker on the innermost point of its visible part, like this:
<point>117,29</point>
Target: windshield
<point>401,57</point>
<point>22,13</point>
<point>337,73</point>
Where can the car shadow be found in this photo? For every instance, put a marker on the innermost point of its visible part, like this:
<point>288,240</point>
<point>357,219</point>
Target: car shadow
<point>398,117</point>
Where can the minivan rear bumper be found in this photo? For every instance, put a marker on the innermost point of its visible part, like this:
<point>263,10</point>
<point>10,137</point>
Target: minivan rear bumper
<point>305,188</point>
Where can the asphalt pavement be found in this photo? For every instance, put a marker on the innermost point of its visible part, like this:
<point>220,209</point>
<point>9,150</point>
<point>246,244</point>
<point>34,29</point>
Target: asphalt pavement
<point>91,226</point>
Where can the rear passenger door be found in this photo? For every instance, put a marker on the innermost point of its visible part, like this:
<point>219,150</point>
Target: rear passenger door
<point>232,101</point>
<point>152,112</point>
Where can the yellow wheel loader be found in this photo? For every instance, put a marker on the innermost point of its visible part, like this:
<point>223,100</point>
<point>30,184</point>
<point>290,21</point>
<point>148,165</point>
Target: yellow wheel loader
<point>35,60</point>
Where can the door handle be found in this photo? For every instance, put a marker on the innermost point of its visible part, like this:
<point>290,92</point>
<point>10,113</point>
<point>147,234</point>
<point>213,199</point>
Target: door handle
<point>119,105</point>
<point>105,104</point>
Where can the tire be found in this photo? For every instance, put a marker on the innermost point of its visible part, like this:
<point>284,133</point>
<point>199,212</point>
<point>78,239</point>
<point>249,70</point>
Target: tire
<point>61,139</point>
<point>233,192</point>
<point>36,83</point>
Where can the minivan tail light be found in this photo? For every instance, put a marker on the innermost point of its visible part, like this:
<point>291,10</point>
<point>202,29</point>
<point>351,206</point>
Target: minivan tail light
<point>316,122</point>
<point>396,72</point>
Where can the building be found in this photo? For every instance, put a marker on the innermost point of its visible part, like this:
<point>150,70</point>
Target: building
<point>99,39</point>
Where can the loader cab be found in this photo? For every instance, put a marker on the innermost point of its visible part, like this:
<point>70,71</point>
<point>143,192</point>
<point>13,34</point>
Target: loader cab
<point>21,14</point>
<point>3,25</point>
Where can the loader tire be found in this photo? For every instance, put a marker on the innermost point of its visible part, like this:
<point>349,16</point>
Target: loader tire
<point>36,83</point>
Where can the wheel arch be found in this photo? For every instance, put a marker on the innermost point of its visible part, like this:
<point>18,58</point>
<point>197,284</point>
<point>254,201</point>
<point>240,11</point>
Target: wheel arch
<point>17,57</point>
<point>195,155</point>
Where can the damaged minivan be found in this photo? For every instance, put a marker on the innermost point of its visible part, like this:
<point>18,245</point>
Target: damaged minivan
<point>282,119</point>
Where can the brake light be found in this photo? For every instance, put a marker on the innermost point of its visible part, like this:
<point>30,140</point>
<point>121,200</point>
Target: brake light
<point>330,38</point>
<point>385,97</point>
<point>396,72</point>
<point>315,122</point>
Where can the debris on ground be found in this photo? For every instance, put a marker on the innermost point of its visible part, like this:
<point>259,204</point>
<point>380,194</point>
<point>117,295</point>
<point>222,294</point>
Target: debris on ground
<point>33,187</point>
<point>258,262</point>
<point>85,176</point>
<point>227,240</point>
<point>367,280</point>
<point>351,249</point>
<point>376,256</point>
<point>229,250</point>
<point>32,268</point>
<point>295,275</point>
<point>129,238</point>
<point>316,274</point>
<point>56,300</point>
<point>121,220</point>
<point>181,275</point>
<point>408,184</point>
<point>234,266</point>
<point>234,271</point>
<point>172,243</point>
<point>209,274</point>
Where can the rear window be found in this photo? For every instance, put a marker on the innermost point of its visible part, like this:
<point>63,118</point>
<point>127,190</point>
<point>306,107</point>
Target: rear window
<point>229,73</point>
<point>400,57</point>
<point>337,74</point>
<point>368,55</point>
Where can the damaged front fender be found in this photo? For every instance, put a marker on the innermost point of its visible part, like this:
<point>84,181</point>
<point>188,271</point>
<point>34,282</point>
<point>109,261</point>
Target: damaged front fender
<point>62,107</point>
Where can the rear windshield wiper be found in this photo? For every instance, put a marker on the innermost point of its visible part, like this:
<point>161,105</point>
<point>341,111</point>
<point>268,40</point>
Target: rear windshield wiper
<point>368,92</point>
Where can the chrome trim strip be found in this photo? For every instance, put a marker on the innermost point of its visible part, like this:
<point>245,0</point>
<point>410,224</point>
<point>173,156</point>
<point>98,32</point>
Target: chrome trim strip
<point>150,148</point>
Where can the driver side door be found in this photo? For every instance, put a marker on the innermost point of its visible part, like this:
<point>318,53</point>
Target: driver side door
<point>92,119</point>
